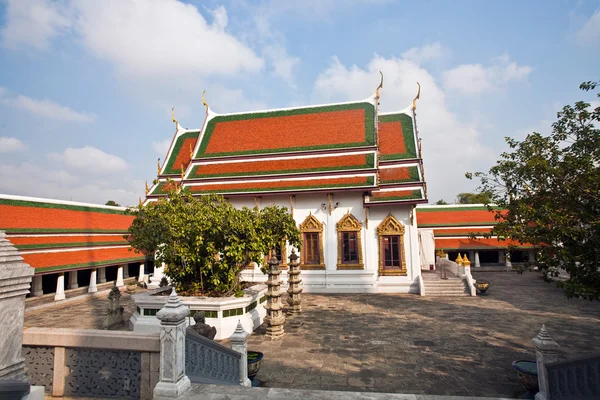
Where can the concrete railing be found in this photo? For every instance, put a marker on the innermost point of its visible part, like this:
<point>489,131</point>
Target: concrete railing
<point>207,361</point>
<point>92,363</point>
<point>459,271</point>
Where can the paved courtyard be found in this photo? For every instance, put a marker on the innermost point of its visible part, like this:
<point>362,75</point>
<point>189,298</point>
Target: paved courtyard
<point>404,343</point>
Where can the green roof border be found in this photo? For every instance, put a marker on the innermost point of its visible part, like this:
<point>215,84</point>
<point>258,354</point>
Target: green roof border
<point>416,194</point>
<point>444,209</point>
<point>62,245</point>
<point>170,168</point>
<point>369,128</point>
<point>407,131</point>
<point>70,207</point>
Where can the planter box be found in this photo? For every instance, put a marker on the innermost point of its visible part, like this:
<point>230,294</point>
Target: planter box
<point>221,312</point>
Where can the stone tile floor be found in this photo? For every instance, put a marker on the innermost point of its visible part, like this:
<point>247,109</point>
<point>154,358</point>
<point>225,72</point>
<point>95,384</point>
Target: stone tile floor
<point>404,343</point>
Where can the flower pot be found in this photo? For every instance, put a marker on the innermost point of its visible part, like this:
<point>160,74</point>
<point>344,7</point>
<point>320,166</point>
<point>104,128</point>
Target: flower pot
<point>527,374</point>
<point>482,286</point>
<point>254,363</point>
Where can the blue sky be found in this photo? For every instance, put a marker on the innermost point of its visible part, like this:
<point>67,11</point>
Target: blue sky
<point>86,87</point>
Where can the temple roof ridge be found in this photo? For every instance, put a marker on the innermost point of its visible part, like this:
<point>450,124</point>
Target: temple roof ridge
<point>58,202</point>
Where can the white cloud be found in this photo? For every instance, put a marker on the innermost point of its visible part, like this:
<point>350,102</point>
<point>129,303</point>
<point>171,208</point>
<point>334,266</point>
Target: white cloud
<point>46,109</point>
<point>283,63</point>
<point>33,23</point>
<point>476,78</point>
<point>451,146</point>
<point>429,52</point>
<point>162,147</point>
<point>90,159</point>
<point>155,38</point>
<point>589,33</point>
<point>11,144</point>
<point>59,184</point>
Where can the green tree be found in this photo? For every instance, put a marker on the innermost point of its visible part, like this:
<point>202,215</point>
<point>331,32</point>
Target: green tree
<point>112,203</point>
<point>205,241</point>
<point>441,202</point>
<point>483,197</point>
<point>549,187</point>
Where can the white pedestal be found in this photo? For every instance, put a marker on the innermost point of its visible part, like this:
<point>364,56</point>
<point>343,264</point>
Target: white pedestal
<point>120,282</point>
<point>92,288</point>
<point>60,287</point>
<point>141,273</point>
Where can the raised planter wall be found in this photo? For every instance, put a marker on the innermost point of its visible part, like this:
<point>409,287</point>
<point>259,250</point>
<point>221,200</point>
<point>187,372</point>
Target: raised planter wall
<point>221,312</point>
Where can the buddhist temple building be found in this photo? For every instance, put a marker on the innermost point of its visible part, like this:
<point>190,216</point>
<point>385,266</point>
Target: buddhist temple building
<point>70,245</point>
<point>462,228</point>
<point>350,175</point>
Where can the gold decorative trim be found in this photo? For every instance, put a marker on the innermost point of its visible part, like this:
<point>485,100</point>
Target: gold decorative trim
<point>312,224</point>
<point>329,199</point>
<point>349,223</point>
<point>417,97</point>
<point>204,101</point>
<point>292,198</point>
<point>390,226</point>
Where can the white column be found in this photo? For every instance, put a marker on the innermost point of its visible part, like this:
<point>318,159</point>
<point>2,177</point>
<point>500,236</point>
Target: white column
<point>73,280</point>
<point>92,288</point>
<point>141,274</point>
<point>239,343</point>
<point>173,380</point>
<point>36,286</point>
<point>477,264</point>
<point>120,277</point>
<point>507,258</point>
<point>60,287</point>
<point>101,275</point>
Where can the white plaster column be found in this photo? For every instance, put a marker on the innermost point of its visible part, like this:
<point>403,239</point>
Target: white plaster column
<point>173,380</point>
<point>120,282</point>
<point>101,275</point>
<point>36,286</point>
<point>508,263</point>
<point>141,273</point>
<point>546,351</point>
<point>477,264</point>
<point>60,287</point>
<point>239,343</point>
<point>92,288</point>
<point>156,275</point>
<point>72,280</point>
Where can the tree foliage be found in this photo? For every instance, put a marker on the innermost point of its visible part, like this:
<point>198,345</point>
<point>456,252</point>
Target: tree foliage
<point>112,203</point>
<point>483,197</point>
<point>205,241</point>
<point>441,202</point>
<point>550,189</point>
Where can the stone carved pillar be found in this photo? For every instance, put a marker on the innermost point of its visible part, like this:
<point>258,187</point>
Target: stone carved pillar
<point>36,286</point>
<point>294,281</point>
<point>92,288</point>
<point>546,351</point>
<point>60,287</point>
<point>73,280</point>
<point>120,276</point>
<point>173,380</point>
<point>15,278</point>
<point>239,343</point>
<point>275,317</point>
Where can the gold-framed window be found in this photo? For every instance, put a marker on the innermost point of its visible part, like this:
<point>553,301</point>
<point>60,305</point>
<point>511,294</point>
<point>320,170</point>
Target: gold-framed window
<point>312,244</point>
<point>392,259</point>
<point>349,243</point>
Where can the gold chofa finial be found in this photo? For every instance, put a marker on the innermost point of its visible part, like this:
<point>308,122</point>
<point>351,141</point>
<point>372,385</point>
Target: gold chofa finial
<point>182,172</point>
<point>147,189</point>
<point>140,201</point>
<point>158,165</point>
<point>173,115</point>
<point>417,97</point>
<point>191,152</point>
<point>380,85</point>
<point>204,101</point>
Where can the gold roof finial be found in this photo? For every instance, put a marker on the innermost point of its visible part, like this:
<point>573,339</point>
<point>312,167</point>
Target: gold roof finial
<point>158,165</point>
<point>147,189</point>
<point>182,172</point>
<point>380,85</point>
<point>417,97</point>
<point>173,116</point>
<point>204,101</point>
<point>191,152</point>
<point>140,201</point>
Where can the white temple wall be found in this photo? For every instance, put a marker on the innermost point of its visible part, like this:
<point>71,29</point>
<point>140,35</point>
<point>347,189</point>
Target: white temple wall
<point>332,280</point>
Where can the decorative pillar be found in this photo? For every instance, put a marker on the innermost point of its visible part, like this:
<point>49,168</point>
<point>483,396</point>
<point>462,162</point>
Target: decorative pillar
<point>36,286</point>
<point>60,287</point>
<point>275,317</point>
<point>477,264</point>
<point>15,278</point>
<point>294,281</point>
<point>466,265</point>
<point>142,274</point>
<point>120,282</point>
<point>92,288</point>
<point>102,275</point>
<point>239,343</point>
<point>72,280</point>
<point>546,351</point>
<point>173,380</point>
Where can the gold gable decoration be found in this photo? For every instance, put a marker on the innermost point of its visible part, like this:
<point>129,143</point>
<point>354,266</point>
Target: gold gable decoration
<point>390,226</point>
<point>349,223</point>
<point>311,224</point>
